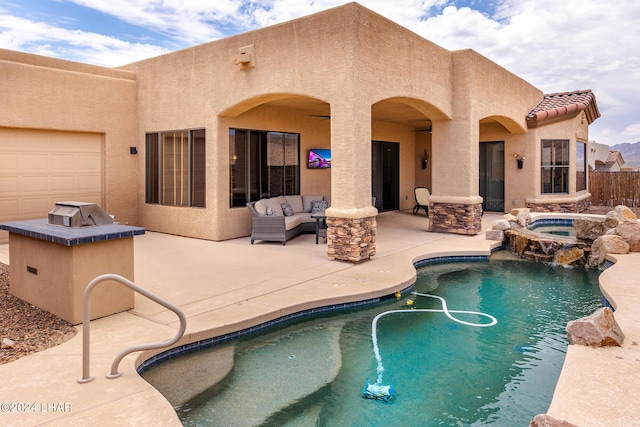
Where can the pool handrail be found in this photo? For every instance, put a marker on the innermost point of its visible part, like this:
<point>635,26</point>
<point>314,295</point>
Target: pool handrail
<point>86,303</point>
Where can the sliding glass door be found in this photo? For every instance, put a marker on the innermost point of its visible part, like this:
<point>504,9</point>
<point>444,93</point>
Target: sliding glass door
<point>492,176</point>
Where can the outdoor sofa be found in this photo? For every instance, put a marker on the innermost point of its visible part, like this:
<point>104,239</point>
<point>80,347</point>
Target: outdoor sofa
<point>278,219</point>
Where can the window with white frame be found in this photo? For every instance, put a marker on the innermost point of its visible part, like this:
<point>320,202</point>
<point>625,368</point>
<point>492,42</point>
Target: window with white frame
<point>555,166</point>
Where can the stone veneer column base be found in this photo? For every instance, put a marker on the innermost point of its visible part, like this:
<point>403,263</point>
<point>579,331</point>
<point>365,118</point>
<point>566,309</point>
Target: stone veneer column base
<point>569,207</point>
<point>351,239</point>
<point>455,218</point>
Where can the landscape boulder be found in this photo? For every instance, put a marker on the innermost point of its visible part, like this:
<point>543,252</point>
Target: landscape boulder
<point>630,232</point>
<point>622,214</point>
<point>597,330</point>
<point>501,224</point>
<point>497,235</point>
<point>6,343</point>
<point>523,216</point>
<point>568,255</point>
<point>588,229</point>
<point>543,420</point>
<point>603,245</point>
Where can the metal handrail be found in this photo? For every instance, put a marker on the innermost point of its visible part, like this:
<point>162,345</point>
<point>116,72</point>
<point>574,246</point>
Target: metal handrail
<point>86,377</point>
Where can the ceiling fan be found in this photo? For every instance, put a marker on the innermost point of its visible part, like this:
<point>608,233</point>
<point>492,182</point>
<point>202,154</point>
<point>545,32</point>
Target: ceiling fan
<point>321,116</point>
<point>427,129</point>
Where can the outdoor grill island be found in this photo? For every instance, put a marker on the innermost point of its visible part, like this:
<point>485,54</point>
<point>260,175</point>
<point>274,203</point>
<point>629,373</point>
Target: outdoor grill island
<point>52,260</point>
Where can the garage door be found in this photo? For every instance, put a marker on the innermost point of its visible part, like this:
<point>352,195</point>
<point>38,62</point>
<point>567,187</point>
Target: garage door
<point>39,168</point>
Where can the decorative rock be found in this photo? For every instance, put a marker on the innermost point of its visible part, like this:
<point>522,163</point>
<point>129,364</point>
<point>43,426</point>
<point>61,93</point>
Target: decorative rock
<point>623,214</point>
<point>510,218</point>
<point>610,221</point>
<point>538,257</point>
<point>521,243</point>
<point>495,235</point>
<point>6,343</point>
<point>543,420</point>
<point>597,330</point>
<point>603,245</point>
<point>501,224</point>
<point>588,229</point>
<point>630,232</point>
<point>523,217</point>
<point>568,255</point>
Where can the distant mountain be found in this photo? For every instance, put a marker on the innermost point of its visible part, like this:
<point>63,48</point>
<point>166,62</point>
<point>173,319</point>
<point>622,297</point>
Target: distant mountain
<point>630,153</point>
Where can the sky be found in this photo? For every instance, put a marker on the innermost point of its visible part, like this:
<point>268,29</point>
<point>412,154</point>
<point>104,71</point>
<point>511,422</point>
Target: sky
<point>556,45</point>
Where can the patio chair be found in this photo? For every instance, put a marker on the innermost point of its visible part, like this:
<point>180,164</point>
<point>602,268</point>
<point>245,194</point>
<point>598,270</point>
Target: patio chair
<point>422,200</point>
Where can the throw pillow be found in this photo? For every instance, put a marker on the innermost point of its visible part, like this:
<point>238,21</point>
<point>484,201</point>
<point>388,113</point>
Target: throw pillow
<point>319,206</point>
<point>286,209</point>
<point>306,202</point>
<point>271,211</point>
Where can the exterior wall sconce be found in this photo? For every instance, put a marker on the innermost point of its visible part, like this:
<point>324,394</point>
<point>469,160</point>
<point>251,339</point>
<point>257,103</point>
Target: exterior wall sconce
<point>424,159</point>
<point>133,150</point>
<point>519,159</point>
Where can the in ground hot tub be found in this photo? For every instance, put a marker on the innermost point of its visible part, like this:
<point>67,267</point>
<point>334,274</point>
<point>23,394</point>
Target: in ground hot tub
<point>52,260</point>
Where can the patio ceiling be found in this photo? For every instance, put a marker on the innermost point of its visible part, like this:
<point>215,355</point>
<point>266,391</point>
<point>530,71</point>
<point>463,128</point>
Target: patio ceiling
<point>387,111</point>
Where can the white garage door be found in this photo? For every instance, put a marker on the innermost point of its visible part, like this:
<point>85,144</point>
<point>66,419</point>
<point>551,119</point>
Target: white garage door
<point>39,168</point>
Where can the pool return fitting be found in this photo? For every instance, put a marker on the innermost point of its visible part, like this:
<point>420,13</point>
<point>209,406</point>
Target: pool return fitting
<point>86,308</point>
<point>382,392</point>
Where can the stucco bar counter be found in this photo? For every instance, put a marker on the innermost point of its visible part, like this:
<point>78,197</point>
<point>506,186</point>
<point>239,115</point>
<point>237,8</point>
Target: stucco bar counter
<point>51,265</point>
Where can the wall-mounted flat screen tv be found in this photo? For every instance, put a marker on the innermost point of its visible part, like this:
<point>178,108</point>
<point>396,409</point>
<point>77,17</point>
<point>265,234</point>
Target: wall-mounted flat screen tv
<point>319,158</point>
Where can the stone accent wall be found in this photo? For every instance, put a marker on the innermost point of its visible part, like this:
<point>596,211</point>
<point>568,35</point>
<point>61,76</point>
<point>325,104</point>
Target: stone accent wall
<point>351,240</point>
<point>570,207</point>
<point>455,218</point>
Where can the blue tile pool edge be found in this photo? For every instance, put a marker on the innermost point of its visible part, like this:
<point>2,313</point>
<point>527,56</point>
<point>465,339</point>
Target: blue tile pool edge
<point>334,308</point>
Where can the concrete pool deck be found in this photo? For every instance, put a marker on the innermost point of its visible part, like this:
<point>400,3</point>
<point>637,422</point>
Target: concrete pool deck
<point>228,286</point>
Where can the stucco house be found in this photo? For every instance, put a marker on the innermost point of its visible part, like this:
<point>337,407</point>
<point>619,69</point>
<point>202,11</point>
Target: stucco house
<point>602,159</point>
<point>181,142</point>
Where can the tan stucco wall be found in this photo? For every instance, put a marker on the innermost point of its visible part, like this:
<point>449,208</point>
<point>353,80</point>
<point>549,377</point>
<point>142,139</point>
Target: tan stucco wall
<point>351,63</point>
<point>571,128</point>
<point>63,272</point>
<point>482,91</point>
<point>316,58</point>
<point>46,93</point>
<point>518,182</point>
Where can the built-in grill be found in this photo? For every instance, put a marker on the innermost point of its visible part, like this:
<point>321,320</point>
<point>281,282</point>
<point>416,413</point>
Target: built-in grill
<point>78,214</point>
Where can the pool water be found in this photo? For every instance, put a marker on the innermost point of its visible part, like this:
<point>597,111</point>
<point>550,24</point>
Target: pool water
<point>444,373</point>
<point>558,228</point>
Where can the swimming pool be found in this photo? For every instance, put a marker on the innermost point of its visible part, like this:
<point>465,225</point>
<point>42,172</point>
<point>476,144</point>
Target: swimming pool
<point>313,372</point>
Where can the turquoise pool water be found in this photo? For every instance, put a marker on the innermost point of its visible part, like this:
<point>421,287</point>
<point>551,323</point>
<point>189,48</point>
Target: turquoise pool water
<point>554,227</point>
<point>444,373</point>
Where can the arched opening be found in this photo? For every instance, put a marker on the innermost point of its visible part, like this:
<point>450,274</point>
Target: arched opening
<point>401,150</point>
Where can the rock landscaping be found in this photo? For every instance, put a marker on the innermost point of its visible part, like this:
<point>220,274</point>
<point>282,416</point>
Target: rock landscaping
<point>617,232</point>
<point>25,328</point>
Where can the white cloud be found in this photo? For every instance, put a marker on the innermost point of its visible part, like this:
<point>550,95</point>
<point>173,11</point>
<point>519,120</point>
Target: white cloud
<point>559,46</point>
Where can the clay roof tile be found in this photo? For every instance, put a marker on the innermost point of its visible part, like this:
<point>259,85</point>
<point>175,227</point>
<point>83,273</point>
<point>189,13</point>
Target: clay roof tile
<point>564,103</point>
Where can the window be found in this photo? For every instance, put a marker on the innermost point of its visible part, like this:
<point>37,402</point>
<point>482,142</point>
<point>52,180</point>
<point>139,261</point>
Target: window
<point>581,166</point>
<point>263,164</point>
<point>555,166</point>
<point>175,168</point>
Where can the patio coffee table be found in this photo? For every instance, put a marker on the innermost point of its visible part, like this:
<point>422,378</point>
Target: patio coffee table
<point>321,225</point>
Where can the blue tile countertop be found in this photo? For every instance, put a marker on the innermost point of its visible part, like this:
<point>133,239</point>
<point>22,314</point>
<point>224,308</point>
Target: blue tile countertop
<point>67,236</point>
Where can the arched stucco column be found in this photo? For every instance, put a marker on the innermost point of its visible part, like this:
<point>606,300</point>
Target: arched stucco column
<point>351,220</point>
<point>455,205</point>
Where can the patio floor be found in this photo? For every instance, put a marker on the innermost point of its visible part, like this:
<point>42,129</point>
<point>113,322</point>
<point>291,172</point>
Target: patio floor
<point>227,286</point>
